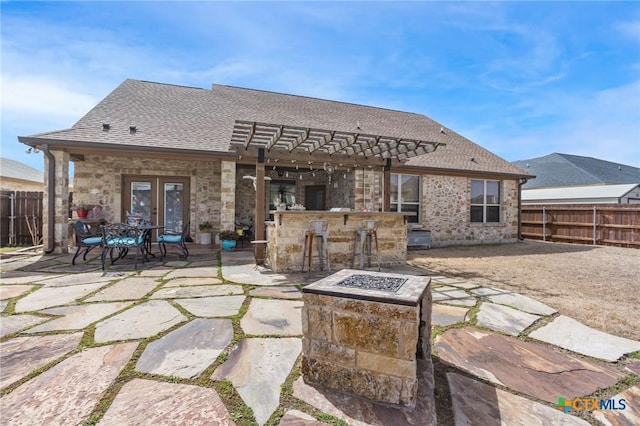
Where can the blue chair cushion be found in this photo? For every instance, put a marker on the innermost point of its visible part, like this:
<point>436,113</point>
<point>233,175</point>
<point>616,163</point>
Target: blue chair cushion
<point>169,238</point>
<point>92,240</point>
<point>123,242</point>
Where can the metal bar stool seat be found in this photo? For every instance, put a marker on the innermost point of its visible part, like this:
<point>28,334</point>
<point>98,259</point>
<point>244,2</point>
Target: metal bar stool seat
<point>317,229</point>
<point>365,235</point>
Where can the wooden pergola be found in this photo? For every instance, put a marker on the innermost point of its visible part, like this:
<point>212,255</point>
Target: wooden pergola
<point>262,142</point>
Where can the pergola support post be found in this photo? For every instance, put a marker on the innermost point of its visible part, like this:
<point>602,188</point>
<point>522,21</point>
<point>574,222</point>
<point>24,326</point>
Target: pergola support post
<point>386,185</point>
<point>260,206</point>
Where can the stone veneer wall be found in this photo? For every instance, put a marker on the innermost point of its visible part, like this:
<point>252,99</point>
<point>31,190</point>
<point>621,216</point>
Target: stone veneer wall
<point>103,174</point>
<point>445,212</point>
<point>364,347</point>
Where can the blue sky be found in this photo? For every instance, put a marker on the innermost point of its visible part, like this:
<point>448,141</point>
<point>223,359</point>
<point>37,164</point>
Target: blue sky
<point>522,80</point>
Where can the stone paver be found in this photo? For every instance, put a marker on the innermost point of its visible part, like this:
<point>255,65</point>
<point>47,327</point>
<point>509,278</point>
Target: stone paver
<point>240,274</point>
<point>11,291</point>
<point>204,271</point>
<point>282,292</point>
<point>77,317</point>
<point>273,317</point>
<point>178,282</point>
<point>201,291</point>
<point>176,264</point>
<point>443,315</point>
<point>18,277</point>
<point>525,367</point>
<point>298,418</point>
<point>504,319</point>
<point>515,300</point>
<point>452,296</point>
<point>577,337</point>
<point>476,403</point>
<point>139,322</point>
<point>21,355</point>
<point>76,279</point>
<point>218,306</point>
<point>359,411</point>
<point>257,368</point>
<point>634,367</point>
<point>187,351</point>
<point>155,272</point>
<point>53,296</point>
<point>630,415</point>
<point>68,392</point>
<point>9,324</point>
<point>130,288</point>
<point>146,402</point>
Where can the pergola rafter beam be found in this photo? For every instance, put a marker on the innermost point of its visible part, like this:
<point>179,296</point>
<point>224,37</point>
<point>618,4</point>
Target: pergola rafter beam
<point>297,141</point>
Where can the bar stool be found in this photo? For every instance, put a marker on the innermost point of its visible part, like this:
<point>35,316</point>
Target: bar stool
<point>317,229</point>
<point>367,232</point>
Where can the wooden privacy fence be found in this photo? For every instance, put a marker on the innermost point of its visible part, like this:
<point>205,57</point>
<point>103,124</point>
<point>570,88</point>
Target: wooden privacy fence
<point>20,218</point>
<point>604,224</point>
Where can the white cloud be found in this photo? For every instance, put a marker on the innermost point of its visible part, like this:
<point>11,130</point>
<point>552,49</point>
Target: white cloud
<point>34,96</point>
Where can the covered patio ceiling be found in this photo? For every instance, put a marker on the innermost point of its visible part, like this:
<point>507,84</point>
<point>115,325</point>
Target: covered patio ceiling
<point>282,141</point>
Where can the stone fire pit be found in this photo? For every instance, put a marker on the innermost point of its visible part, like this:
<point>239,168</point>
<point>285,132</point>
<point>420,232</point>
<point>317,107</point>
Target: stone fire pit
<point>363,332</point>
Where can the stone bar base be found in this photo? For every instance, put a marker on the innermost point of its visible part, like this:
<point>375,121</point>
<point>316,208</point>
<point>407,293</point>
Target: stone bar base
<point>366,341</point>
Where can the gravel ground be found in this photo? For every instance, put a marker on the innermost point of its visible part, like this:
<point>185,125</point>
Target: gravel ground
<point>599,286</point>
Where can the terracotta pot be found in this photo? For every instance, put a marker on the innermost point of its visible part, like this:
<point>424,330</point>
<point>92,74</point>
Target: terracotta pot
<point>82,213</point>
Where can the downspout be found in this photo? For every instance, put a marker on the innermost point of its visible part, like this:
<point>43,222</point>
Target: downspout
<point>522,182</point>
<point>51,200</point>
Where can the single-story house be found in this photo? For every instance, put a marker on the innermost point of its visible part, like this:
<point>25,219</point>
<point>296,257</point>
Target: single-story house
<point>228,155</point>
<point>627,193</point>
<point>17,176</point>
<point>575,179</point>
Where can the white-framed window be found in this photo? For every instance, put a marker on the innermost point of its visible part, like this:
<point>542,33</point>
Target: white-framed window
<point>405,195</point>
<point>485,201</point>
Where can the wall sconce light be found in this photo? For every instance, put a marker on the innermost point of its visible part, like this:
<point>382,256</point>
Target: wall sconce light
<point>28,150</point>
<point>106,126</point>
<point>133,129</point>
<point>36,150</point>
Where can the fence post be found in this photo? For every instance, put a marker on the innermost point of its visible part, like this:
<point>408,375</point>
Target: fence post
<point>544,223</point>
<point>12,220</point>
<point>595,220</point>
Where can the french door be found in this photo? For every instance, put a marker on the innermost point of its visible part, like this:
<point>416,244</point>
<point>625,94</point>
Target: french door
<point>163,200</point>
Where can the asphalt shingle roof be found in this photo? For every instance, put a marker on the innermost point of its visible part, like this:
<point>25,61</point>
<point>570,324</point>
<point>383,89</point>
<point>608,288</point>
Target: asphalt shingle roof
<point>186,118</point>
<point>17,170</point>
<point>564,170</point>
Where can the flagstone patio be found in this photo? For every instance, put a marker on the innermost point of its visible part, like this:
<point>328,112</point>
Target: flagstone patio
<point>185,342</point>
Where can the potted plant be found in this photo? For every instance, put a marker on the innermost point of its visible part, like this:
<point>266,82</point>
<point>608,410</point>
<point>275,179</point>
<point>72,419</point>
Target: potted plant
<point>228,239</point>
<point>82,210</point>
<point>205,232</point>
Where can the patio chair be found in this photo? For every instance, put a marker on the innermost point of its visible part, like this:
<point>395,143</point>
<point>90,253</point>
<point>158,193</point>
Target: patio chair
<point>121,238</point>
<point>86,240</point>
<point>176,239</point>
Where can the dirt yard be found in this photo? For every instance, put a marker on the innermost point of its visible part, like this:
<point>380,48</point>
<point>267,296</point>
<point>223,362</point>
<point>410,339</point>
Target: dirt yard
<point>599,286</point>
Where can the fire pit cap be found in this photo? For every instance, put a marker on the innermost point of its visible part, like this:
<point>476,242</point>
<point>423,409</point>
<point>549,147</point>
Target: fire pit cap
<point>396,289</point>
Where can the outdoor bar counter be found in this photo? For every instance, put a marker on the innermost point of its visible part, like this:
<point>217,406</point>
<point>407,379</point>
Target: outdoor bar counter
<point>285,236</point>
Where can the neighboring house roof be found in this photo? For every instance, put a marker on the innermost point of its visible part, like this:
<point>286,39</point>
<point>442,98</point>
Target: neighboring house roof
<point>580,194</point>
<point>17,170</point>
<point>169,117</point>
<point>563,170</point>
